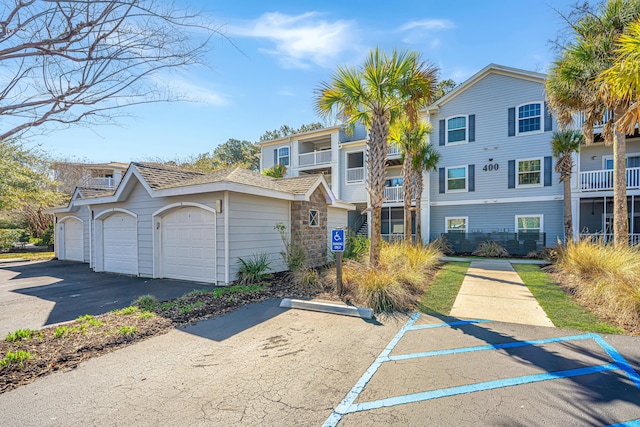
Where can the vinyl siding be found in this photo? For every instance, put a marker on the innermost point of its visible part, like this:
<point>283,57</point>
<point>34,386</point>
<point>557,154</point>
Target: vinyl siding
<point>142,204</point>
<point>601,150</point>
<point>336,218</point>
<point>267,154</point>
<point>490,99</point>
<point>499,217</point>
<point>352,193</point>
<point>251,229</point>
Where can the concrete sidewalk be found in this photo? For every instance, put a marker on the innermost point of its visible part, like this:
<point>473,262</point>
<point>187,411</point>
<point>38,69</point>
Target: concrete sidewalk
<point>492,290</point>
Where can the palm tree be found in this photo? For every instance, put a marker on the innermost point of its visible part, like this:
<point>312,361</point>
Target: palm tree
<point>425,160</point>
<point>563,144</point>
<point>411,140</point>
<point>573,86</point>
<point>376,94</point>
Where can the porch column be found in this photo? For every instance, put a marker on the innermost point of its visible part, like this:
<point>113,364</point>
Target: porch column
<point>294,159</point>
<point>575,214</point>
<point>575,172</point>
<point>335,161</point>
<point>425,208</point>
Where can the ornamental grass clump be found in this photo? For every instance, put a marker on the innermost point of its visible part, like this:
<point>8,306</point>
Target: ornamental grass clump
<point>605,277</point>
<point>491,250</point>
<point>399,281</point>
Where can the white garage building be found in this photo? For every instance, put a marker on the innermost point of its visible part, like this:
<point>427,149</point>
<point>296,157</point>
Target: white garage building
<point>166,222</point>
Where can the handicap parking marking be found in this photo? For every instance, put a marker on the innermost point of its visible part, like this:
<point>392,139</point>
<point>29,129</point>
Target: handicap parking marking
<point>348,405</point>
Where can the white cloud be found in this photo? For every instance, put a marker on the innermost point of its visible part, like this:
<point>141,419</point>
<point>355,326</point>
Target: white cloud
<point>299,40</point>
<point>428,25</point>
<point>186,87</point>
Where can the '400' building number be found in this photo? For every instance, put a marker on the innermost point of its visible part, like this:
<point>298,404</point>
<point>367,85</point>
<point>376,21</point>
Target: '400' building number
<point>491,167</point>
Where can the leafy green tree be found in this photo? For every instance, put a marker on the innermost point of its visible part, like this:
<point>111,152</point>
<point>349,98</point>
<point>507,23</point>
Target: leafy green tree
<point>563,144</point>
<point>443,87</point>
<point>230,154</point>
<point>26,188</point>
<point>384,88</point>
<point>573,87</point>
<point>277,171</point>
<point>286,130</point>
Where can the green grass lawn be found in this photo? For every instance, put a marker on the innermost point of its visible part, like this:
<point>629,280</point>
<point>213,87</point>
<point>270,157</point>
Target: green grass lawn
<point>27,255</point>
<point>442,292</point>
<point>563,311</point>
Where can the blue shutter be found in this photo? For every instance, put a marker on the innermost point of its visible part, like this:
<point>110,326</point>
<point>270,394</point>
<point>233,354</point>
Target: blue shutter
<point>547,171</point>
<point>275,157</point>
<point>442,180</point>
<point>512,174</point>
<point>548,120</point>
<point>472,177</point>
<point>442,131</point>
<point>472,127</point>
<point>512,121</point>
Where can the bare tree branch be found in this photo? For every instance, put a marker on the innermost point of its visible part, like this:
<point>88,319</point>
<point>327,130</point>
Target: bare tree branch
<point>71,62</point>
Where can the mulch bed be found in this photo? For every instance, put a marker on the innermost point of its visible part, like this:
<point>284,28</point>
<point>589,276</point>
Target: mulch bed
<point>104,333</point>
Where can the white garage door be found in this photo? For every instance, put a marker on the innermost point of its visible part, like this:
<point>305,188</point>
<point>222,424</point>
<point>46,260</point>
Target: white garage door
<point>120,244</point>
<point>189,245</point>
<point>73,240</point>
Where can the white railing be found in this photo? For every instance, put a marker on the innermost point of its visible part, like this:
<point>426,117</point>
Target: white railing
<point>603,179</point>
<point>634,238</point>
<point>393,151</point>
<point>393,194</point>
<point>315,158</point>
<point>355,175</point>
<point>102,182</point>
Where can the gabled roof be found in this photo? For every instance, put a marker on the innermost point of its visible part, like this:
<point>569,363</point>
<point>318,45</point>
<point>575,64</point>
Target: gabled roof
<point>89,192</point>
<point>164,181</point>
<point>489,69</point>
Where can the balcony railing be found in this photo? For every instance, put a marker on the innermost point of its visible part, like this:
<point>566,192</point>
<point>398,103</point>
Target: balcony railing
<point>315,158</point>
<point>355,175</point>
<point>603,179</point>
<point>103,182</point>
<point>393,151</point>
<point>393,194</point>
<point>634,238</point>
<point>578,120</point>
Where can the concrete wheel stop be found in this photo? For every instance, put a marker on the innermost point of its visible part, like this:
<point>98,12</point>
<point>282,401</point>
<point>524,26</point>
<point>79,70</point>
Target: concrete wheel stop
<point>345,310</point>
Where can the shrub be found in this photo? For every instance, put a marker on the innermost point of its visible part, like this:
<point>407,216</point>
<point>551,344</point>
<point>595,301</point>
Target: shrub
<point>604,276</point>
<point>443,245</point>
<point>47,236</point>
<point>307,278</point>
<point>255,269</point>
<point>293,253</point>
<point>10,236</point>
<point>491,250</point>
<point>12,359</point>
<point>146,303</point>
<point>356,248</point>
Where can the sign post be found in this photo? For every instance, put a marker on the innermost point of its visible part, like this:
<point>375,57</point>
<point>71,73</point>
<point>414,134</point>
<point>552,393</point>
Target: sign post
<point>337,246</point>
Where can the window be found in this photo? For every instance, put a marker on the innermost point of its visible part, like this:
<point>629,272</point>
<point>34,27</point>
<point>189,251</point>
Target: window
<point>392,219</point>
<point>457,179</point>
<point>355,167</point>
<point>456,224</point>
<point>457,130</point>
<point>529,172</point>
<point>530,117</point>
<point>529,224</point>
<point>314,218</point>
<point>283,156</point>
<point>633,161</point>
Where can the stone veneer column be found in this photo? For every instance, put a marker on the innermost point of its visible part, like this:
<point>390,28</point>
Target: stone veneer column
<point>312,239</point>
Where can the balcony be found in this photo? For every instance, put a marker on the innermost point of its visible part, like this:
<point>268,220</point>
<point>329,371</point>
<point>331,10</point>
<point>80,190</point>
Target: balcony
<point>102,182</point>
<point>393,194</point>
<point>634,238</point>
<point>601,180</point>
<point>393,151</point>
<point>315,158</point>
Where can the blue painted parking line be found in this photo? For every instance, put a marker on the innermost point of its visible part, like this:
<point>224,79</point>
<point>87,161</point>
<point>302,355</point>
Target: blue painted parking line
<point>348,406</point>
<point>632,423</point>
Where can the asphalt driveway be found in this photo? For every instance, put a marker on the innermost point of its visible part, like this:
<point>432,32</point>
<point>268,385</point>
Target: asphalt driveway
<point>40,293</point>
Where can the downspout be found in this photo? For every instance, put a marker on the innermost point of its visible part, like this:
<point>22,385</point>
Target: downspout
<point>90,236</point>
<point>226,237</point>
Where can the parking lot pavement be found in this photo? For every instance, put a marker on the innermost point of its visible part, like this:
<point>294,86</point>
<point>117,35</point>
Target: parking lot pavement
<point>259,365</point>
<point>40,293</point>
<point>461,372</point>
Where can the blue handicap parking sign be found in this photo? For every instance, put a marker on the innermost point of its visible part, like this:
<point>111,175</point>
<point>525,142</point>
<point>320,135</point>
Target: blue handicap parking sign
<point>337,240</point>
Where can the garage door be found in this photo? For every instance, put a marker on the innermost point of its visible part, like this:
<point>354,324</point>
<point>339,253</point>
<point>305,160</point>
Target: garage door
<point>73,240</point>
<point>188,245</point>
<point>120,244</point>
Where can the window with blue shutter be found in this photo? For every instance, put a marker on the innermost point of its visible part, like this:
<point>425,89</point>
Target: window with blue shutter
<point>512,173</point>
<point>441,179</point>
<point>548,120</point>
<point>472,177</point>
<point>442,131</point>
<point>547,171</point>
<point>472,127</point>
<point>512,121</point>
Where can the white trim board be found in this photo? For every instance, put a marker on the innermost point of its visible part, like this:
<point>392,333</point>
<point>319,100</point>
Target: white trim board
<point>495,201</point>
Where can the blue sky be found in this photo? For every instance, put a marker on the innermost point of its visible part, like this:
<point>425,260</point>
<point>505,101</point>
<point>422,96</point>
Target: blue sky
<point>283,49</point>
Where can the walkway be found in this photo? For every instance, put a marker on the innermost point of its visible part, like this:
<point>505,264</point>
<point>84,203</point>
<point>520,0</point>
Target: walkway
<point>492,290</point>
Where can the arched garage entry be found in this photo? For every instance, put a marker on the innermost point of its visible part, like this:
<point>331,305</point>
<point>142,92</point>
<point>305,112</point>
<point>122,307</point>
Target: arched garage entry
<point>117,241</point>
<point>185,242</point>
<point>71,239</point>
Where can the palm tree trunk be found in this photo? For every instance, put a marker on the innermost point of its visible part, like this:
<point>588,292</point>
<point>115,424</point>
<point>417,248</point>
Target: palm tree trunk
<point>377,165</point>
<point>407,185</point>
<point>418,192</point>
<point>568,216</point>
<point>620,224</point>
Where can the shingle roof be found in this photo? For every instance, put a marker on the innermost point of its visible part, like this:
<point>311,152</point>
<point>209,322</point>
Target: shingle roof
<point>298,184</point>
<point>160,176</point>
<point>90,192</point>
